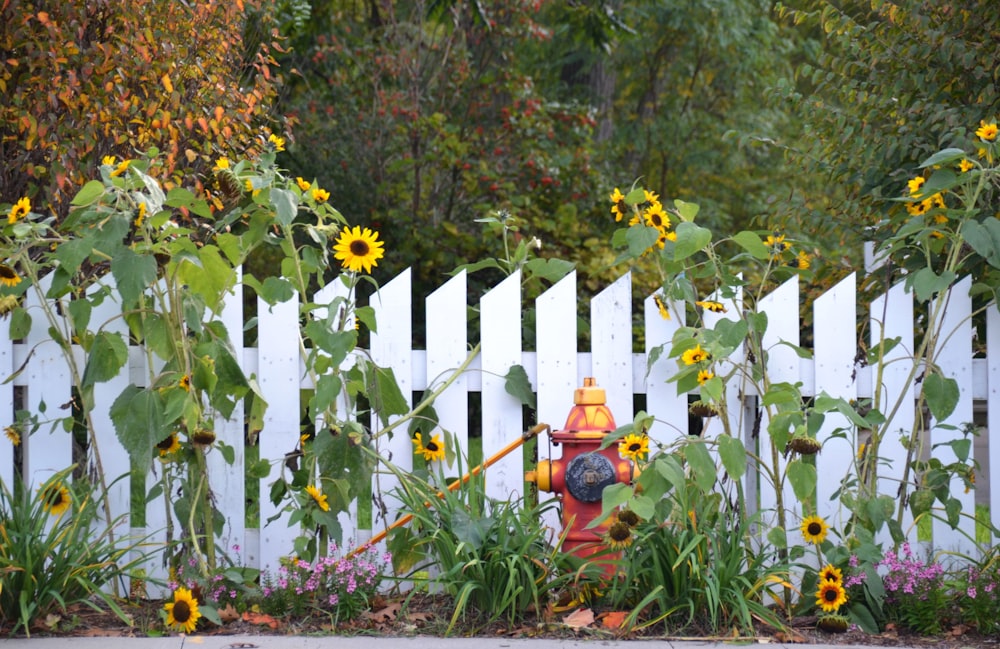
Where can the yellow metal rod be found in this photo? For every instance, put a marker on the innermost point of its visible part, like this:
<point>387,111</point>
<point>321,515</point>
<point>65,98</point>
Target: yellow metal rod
<point>493,459</point>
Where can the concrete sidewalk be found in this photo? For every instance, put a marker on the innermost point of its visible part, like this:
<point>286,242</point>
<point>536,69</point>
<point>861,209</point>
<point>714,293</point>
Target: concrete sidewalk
<point>376,642</point>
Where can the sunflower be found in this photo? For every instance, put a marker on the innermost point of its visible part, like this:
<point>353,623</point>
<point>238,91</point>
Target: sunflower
<point>19,210</point>
<point>432,450</point>
<point>914,185</point>
<point>220,164</point>
<point>320,498</point>
<point>986,131</point>
<point>121,168</point>
<point>656,217</point>
<point>695,355</point>
<point>633,446</point>
<point>141,216</point>
<point>803,260</point>
<point>303,184</point>
<point>618,536</point>
<point>704,376</point>
<point>628,517</point>
<point>203,437</point>
<point>9,276</point>
<point>618,205</point>
<point>777,242</point>
<point>830,596</point>
<point>358,249</point>
<point>662,307</point>
<point>320,195</point>
<point>814,529</point>
<point>965,165</point>
<point>183,612</point>
<point>711,305</point>
<point>278,142</point>
<point>55,499</point>
<point>12,435</point>
<point>831,573</point>
<point>109,160</point>
<point>185,383</point>
<point>170,445</point>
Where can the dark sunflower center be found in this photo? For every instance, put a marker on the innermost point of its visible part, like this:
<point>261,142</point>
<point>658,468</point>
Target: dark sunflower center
<point>165,444</point>
<point>619,532</point>
<point>359,248</point>
<point>432,447</point>
<point>182,611</point>
<point>815,529</point>
<point>622,207</point>
<point>634,447</point>
<point>656,220</point>
<point>830,595</point>
<point>6,272</point>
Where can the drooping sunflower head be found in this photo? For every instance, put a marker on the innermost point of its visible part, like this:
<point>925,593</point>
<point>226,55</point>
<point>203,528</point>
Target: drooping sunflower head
<point>831,573</point>
<point>618,205</point>
<point>9,276</point>
<point>318,497</point>
<point>358,249</point>
<point>618,536</point>
<point>432,449</point>
<point>628,517</point>
<point>814,529</point>
<point>13,435</point>
<point>170,445</point>
<point>833,623</point>
<point>711,305</point>
<point>661,306</point>
<point>830,596</point>
<point>203,437</point>
<point>634,447</point>
<point>695,355</point>
<point>55,498</point>
<point>183,613</point>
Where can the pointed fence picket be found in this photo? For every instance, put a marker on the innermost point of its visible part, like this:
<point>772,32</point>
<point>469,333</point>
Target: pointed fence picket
<point>555,369</point>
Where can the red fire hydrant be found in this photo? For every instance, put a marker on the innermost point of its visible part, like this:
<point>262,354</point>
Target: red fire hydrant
<point>584,470</point>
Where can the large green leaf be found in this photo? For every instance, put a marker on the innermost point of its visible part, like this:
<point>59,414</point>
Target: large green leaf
<point>802,476</point>
<point>138,417</point>
<point>701,464</point>
<point>691,238</point>
<point>984,238</point>
<point>942,395</point>
<point>518,386</point>
<point>384,394</point>
<point>133,273</point>
<point>751,242</point>
<point>733,455</point>
<point>108,355</point>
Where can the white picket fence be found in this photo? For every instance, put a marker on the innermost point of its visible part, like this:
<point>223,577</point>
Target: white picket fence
<point>555,369</point>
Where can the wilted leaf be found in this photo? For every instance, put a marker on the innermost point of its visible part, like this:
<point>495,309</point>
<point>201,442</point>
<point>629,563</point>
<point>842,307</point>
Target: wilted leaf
<point>579,618</point>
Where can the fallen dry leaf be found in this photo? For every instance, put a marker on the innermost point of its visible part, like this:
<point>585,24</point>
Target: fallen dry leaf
<point>228,614</point>
<point>614,619</point>
<point>388,613</point>
<point>579,618</point>
<point>262,619</point>
<point>790,636</point>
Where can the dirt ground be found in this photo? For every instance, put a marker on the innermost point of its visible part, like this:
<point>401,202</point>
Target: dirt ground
<point>430,615</point>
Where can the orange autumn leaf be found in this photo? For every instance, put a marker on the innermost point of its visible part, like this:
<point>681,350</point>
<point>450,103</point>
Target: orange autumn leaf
<point>613,619</point>
<point>262,619</point>
<point>167,85</point>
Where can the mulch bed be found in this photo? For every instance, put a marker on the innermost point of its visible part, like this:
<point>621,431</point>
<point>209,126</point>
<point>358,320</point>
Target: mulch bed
<point>430,615</point>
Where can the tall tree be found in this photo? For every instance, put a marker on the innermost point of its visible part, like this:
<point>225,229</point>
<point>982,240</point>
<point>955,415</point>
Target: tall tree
<point>85,80</point>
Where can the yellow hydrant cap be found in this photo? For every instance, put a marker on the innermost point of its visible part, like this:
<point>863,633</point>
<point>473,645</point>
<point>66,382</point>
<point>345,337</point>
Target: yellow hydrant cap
<point>590,394</point>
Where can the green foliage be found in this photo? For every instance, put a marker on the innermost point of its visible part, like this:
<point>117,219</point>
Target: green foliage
<point>694,564</point>
<point>54,553</point>
<point>495,564</point>
<point>886,85</point>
